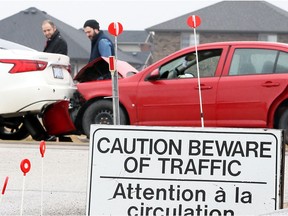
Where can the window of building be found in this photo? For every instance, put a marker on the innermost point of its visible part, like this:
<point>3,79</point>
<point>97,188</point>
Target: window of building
<point>267,37</point>
<point>188,39</point>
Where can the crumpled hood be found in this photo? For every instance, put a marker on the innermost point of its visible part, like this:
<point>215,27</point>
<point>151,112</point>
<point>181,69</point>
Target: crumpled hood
<point>100,66</point>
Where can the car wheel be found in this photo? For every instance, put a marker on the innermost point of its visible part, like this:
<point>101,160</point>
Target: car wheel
<point>13,129</point>
<point>100,112</point>
<point>283,124</point>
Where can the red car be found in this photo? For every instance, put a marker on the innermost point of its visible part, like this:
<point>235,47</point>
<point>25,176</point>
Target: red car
<point>243,84</point>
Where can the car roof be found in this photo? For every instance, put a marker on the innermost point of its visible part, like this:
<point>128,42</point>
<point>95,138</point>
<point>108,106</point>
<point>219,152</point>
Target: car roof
<point>5,44</point>
<point>244,43</point>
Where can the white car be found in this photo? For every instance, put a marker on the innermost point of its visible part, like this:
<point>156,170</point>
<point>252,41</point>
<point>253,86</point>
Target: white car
<point>29,80</point>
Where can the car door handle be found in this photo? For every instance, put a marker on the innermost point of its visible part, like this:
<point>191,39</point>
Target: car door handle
<point>270,84</point>
<point>203,87</point>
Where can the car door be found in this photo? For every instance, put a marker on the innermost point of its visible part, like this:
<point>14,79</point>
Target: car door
<point>253,78</point>
<point>174,99</point>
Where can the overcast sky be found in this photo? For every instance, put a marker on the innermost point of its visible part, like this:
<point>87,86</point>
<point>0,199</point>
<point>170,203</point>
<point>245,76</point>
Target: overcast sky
<point>132,14</point>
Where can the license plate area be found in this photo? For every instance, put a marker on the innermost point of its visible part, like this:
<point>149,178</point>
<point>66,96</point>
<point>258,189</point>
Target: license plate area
<point>58,73</point>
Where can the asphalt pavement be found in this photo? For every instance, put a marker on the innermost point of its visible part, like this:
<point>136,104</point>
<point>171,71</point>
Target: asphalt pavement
<point>65,168</point>
<point>65,178</point>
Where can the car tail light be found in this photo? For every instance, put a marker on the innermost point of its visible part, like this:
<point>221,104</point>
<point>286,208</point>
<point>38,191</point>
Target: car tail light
<point>69,68</point>
<point>24,65</point>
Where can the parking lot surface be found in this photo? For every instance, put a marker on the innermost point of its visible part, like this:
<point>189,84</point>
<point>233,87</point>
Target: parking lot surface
<point>65,176</point>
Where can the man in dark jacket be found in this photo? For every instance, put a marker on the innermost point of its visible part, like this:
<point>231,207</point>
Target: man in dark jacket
<point>101,45</point>
<point>55,42</point>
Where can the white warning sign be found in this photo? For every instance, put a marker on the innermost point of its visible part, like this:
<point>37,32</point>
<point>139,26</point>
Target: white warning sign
<point>184,171</point>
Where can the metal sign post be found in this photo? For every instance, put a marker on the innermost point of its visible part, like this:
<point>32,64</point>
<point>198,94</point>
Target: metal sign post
<point>115,29</point>
<point>115,91</point>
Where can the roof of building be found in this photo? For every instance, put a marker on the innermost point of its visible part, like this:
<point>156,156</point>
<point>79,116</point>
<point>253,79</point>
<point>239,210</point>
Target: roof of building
<point>232,16</point>
<point>25,28</point>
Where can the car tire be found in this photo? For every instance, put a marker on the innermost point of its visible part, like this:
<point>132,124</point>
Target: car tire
<point>13,129</point>
<point>283,124</point>
<point>100,112</point>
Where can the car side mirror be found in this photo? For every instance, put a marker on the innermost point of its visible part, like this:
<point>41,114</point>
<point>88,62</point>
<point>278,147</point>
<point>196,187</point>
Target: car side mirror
<point>154,75</point>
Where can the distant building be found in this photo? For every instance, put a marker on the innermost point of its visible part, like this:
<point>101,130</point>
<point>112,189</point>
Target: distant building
<point>223,21</point>
<point>136,44</point>
<point>25,28</point>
